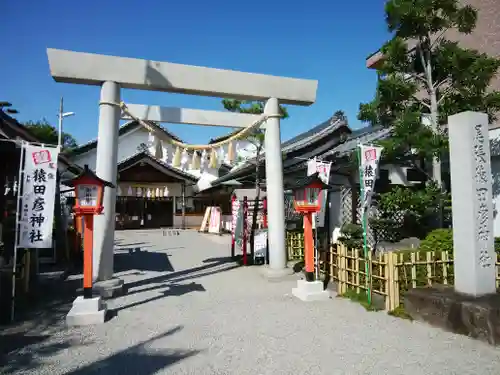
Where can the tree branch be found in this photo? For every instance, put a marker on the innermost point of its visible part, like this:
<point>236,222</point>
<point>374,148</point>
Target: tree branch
<point>439,37</point>
<point>444,81</point>
<point>422,59</point>
<point>422,102</point>
<point>445,93</point>
<point>252,141</point>
<point>418,77</point>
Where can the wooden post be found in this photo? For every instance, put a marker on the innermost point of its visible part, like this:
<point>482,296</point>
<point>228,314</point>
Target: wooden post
<point>393,261</point>
<point>27,268</point>
<point>308,247</point>
<point>331,264</point>
<point>389,282</point>
<point>342,269</point>
<point>245,225</point>
<point>88,237</point>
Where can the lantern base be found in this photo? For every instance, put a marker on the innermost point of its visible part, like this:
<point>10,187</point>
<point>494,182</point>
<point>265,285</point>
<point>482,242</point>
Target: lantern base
<point>310,291</point>
<point>86,311</point>
<point>109,288</point>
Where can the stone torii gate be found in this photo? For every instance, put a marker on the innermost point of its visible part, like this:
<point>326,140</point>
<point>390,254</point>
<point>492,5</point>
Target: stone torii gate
<point>113,73</point>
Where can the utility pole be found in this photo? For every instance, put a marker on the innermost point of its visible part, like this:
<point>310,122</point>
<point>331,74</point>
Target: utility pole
<point>61,116</point>
<point>59,134</point>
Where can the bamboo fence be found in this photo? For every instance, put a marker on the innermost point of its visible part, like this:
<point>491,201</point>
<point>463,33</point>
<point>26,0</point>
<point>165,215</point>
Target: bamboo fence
<point>393,273</point>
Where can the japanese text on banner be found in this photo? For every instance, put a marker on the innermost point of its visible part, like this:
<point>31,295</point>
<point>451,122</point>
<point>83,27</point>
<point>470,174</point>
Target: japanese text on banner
<point>370,157</point>
<point>37,196</point>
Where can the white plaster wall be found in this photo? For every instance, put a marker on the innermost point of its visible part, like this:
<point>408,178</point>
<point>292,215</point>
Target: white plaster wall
<point>127,146</point>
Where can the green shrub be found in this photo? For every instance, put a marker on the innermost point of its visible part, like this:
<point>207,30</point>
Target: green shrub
<point>351,236</point>
<point>438,240</point>
<point>442,240</point>
<point>497,245</point>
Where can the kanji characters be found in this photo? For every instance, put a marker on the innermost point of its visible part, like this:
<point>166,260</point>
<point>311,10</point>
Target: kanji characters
<point>35,235</point>
<point>39,176</point>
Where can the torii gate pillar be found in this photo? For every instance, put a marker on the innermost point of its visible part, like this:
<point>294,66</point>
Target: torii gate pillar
<point>106,168</point>
<point>275,196</point>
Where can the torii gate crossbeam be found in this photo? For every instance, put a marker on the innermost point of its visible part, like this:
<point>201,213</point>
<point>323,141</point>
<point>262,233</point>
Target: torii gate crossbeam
<point>113,73</point>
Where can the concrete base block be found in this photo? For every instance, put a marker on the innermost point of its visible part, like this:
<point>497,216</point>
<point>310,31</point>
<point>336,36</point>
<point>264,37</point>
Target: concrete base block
<point>88,311</point>
<point>277,274</point>
<point>310,291</point>
<point>109,288</point>
<point>441,306</point>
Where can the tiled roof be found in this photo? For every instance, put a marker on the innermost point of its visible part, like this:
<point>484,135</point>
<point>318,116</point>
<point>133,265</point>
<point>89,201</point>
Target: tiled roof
<point>363,135</point>
<point>138,156</point>
<point>313,134</point>
<point>294,145</point>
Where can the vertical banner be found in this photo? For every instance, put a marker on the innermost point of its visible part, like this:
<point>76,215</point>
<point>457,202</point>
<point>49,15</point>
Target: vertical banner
<point>323,170</point>
<point>38,190</point>
<point>368,158</point>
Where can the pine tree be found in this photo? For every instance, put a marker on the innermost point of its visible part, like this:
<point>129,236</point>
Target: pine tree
<point>425,75</point>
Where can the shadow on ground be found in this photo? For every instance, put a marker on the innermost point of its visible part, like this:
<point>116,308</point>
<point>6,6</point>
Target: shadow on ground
<point>170,285</point>
<point>138,359</point>
<point>123,243</point>
<point>210,268</point>
<point>172,290</point>
<point>28,350</point>
<point>128,259</point>
<point>38,317</point>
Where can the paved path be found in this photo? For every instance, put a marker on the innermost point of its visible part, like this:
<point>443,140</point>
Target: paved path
<point>189,311</point>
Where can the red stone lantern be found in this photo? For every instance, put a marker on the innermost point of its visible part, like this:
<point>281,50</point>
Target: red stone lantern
<point>306,200</point>
<point>89,192</point>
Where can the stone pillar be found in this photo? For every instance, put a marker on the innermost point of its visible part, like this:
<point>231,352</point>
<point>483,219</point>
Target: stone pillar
<point>275,193</point>
<point>106,168</point>
<point>471,188</point>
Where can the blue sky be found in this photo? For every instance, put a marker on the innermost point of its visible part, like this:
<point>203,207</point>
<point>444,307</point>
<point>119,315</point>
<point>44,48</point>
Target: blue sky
<point>316,39</point>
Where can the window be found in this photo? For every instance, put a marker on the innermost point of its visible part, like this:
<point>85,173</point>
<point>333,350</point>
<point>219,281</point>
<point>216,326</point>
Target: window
<point>383,175</point>
<point>415,175</point>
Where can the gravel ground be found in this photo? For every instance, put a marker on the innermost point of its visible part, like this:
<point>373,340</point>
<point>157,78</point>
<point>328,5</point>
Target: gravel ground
<point>189,311</point>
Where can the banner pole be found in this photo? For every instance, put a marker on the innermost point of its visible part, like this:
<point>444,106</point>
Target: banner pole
<point>20,187</point>
<point>363,223</point>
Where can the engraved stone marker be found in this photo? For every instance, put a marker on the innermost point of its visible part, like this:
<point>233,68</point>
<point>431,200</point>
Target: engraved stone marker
<point>471,190</point>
